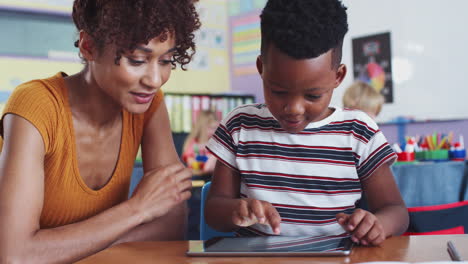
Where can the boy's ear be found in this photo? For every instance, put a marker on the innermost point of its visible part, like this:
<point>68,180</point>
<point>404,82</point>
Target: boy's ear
<point>86,46</point>
<point>340,74</point>
<point>259,65</point>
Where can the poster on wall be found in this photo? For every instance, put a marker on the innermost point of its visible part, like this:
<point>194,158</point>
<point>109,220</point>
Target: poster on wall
<point>372,63</point>
<point>245,44</point>
<point>245,35</point>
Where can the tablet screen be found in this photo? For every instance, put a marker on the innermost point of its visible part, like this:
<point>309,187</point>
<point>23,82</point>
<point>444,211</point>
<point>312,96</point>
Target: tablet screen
<point>278,245</point>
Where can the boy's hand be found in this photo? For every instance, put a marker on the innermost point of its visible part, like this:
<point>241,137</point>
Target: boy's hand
<point>252,211</point>
<point>364,226</point>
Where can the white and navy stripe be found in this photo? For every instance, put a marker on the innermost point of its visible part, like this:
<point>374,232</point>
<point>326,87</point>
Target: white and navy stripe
<point>310,176</point>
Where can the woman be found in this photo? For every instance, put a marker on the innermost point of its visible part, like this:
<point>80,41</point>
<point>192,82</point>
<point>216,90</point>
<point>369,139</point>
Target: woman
<point>69,142</point>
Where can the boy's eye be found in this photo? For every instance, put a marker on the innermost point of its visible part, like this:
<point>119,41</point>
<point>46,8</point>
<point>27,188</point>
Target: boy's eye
<point>313,97</point>
<point>279,92</point>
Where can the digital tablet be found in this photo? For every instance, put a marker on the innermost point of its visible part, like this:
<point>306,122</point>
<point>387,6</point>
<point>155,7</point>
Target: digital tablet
<point>272,246</point>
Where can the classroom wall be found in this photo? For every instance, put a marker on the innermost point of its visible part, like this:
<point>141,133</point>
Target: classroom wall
<point>428,62</point>
<point>428,46</point>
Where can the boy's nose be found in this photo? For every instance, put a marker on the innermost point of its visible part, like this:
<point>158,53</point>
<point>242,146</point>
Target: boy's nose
<point>294,108</point>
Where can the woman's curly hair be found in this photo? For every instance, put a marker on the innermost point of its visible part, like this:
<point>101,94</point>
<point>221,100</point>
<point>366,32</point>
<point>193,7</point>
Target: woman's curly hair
<point>129,23</point>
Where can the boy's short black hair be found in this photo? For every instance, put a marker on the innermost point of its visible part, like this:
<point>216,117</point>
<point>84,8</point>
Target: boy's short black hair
<point>304,29</point>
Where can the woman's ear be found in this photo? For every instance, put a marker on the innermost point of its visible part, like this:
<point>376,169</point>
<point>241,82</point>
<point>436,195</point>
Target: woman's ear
<point>86,46</point>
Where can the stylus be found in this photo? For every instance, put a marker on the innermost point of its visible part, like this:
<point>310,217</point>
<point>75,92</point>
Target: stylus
<point>453,251</point>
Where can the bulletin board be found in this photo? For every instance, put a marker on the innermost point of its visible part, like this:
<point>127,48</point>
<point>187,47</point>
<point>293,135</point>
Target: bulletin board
<point>37,46</point>
<point>209,70</point>
<point>17,70</point>
<point>45,6</point>
<point>429,44</point>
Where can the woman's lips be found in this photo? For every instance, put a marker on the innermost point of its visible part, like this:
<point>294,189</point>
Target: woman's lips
<point>143,98</point>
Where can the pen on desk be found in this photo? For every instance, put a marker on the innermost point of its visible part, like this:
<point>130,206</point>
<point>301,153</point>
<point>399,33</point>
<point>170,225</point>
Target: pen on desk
<point>453,251</point>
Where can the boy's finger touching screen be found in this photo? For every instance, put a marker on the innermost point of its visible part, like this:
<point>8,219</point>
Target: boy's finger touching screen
<point>274,219</point>
<point>266,214</point>
<point>252,211</point>
<point>243,216</point>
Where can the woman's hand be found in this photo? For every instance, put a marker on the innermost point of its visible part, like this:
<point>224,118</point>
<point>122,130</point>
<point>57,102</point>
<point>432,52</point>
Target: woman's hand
<point>364,226</point>
<point>252,211</point>
<point>160,190</point>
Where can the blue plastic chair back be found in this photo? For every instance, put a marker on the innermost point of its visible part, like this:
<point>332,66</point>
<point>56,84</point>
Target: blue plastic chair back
<point>207,232</point>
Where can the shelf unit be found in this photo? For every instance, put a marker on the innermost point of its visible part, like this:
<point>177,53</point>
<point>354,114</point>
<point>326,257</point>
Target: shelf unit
<point>184,108</point>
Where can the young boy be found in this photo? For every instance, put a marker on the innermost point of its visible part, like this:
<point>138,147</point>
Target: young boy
<point>296,166</point>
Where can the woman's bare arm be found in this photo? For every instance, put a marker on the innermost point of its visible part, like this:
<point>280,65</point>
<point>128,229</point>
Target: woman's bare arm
<point>21,201</point>
<point>161,228</point>
<point>158,151</point>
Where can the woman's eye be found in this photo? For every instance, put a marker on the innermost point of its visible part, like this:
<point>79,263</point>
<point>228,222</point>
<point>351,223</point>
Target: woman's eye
<point>135,62</point>
<point>166,62</point>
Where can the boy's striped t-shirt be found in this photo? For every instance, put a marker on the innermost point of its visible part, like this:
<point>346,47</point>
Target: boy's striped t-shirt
<point>308,177</point>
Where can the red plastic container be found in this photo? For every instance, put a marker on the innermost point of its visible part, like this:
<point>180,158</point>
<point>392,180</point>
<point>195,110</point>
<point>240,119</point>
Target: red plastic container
<point>406,156</point>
